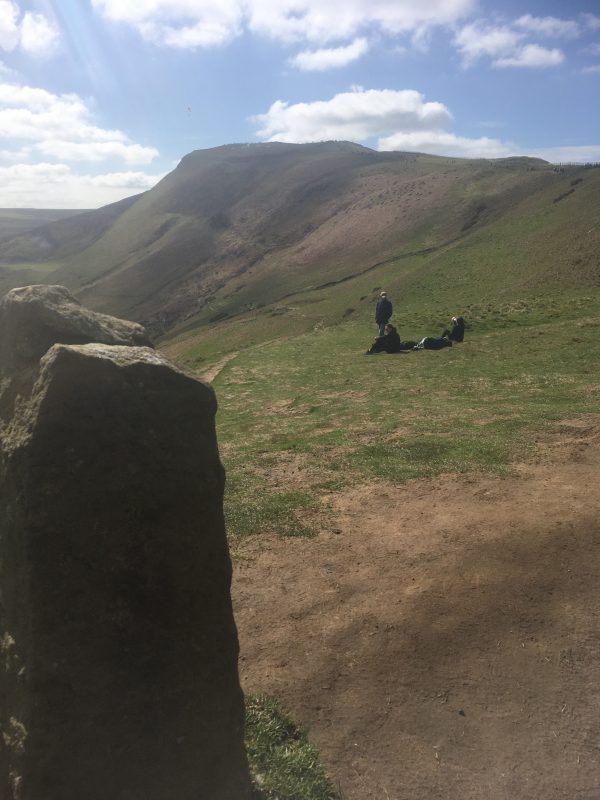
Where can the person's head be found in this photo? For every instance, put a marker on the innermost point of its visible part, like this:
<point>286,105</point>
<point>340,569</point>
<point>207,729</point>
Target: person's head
<point>389,328</point>
<point>383,294</point>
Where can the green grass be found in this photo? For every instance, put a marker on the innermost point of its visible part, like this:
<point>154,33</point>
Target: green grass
<point>302,416</point>
<point>303,412</point>
<point>42,268</point>
<point>315,406</point>
<point>24,274</point>
<point>283,763</point>
<point>268,513</point>
<point>526,257</point>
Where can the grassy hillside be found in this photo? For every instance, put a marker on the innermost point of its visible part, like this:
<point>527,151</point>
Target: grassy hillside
<point>14,221</point>
<point>241,228</point>
<point>303,412</point>
<point>527,252</point>
<point>46,239</point>
<point>303,416</point>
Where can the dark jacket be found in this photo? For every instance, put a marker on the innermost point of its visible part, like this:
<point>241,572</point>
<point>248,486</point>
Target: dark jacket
<point>383,310</point>
<point>457,332</point>
<point>390,343</point>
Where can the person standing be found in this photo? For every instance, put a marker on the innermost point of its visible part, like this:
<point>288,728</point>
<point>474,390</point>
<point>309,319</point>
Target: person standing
<point>383,312</point>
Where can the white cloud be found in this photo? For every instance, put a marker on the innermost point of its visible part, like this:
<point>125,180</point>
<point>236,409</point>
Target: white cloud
<point>34,33</point>
<point>399,120</point>
<point>213,22</point>
<point>38,35</point>
<point>549,26</point>
<point>194,23</point>
<point>140,181</point>
<point>592,70</point>
<point>98,151</point>
<point>579,154</point>
<point>15,156</point>
<point>178,23</point>
<point>442,143</point>
<point>200,35</point>
<point>593,48</point>
<point>318,60</point>
<point>421,38</point>
<point>592,21</point>
<point>446,144</point>
<point>355,116</point>
<point>36,123</point>
<point>55,186</point>
<point>61,126</point>
<point>532,55</point>
<point>316,21</point>
<point>478,39</point>
<point>505,45</point>
<point>9,28</point>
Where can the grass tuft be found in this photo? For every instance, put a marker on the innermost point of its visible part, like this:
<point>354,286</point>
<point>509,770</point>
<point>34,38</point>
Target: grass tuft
<point>283,763</point>
<point>266,513</point>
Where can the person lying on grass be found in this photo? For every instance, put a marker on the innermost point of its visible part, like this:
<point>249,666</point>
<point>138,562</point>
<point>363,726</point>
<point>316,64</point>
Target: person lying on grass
<point>433,343</point>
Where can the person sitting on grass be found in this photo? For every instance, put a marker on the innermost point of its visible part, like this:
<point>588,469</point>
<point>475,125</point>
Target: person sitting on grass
<point>457,331</point>
<point>388,343</point>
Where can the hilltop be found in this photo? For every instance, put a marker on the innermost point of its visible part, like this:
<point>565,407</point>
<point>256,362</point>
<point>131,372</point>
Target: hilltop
<point>242,231</point>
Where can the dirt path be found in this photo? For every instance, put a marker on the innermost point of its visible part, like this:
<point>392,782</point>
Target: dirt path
<point>445,644</point>
<point>211,373</point>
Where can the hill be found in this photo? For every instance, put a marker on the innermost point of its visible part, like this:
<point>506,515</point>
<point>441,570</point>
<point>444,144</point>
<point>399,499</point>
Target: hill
<point>239,227</point>
<point>278,237</point>
<point>415,545</point>
<point>34,242</point>
<point>414,536</point>
<point>14,221</point>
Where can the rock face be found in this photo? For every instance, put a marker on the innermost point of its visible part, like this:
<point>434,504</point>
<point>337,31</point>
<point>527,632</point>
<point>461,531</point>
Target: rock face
<point>118,649</point>
<point>33,318</point>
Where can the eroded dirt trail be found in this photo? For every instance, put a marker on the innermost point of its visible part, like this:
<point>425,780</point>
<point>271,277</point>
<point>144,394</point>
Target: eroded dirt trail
<point>446,643</point>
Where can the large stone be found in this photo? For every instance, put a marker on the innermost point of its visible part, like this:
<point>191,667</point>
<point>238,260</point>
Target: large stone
<point>33,318</point>
<point>118,648</point>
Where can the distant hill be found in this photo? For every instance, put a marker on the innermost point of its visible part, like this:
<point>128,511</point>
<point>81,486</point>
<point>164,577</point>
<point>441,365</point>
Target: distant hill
<point>14,221</point>
<point>235,230</point>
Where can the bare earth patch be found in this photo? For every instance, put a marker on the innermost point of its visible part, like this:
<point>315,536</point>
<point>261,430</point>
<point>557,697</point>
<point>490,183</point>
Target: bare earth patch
<point>211,373</point>
<point>444,644</point>
<point>286,408</point>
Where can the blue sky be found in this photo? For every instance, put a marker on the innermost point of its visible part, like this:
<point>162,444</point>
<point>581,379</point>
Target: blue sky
<point>100,98</point>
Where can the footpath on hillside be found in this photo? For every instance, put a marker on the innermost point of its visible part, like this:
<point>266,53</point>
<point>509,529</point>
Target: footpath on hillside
<point>440,638</point>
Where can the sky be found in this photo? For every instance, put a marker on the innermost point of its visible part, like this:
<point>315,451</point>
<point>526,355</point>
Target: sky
<point>99,99</point>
